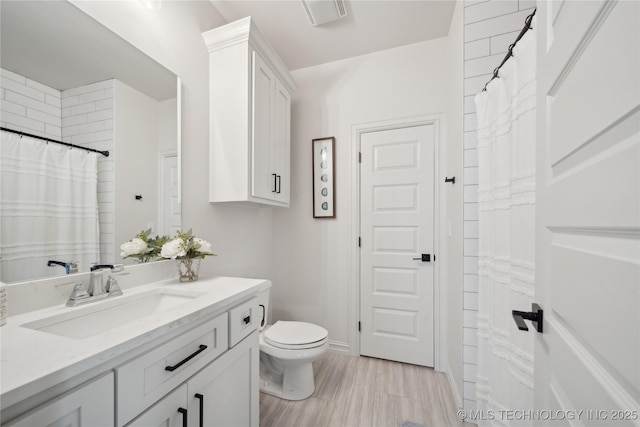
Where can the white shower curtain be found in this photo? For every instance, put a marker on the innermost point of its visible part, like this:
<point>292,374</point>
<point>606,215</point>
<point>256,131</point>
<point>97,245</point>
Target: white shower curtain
<point>48,207</point>
<point>506,130</point>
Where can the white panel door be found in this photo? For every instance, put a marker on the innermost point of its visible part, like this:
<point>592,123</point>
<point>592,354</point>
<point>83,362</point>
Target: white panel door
<point>171,220</point>
<point>396,290</point>
<point>588,211</point>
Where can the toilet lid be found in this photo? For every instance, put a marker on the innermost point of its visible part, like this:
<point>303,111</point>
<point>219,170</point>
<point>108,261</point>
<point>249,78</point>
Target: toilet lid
<point>295,335</point>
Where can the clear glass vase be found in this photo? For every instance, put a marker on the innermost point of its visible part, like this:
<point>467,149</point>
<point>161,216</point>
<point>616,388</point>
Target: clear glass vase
<point>188,269</point>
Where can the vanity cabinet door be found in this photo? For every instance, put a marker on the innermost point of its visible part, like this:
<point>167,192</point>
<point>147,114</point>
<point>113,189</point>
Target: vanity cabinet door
<point>89,405</point>
<point>270,134</point>
<point>226,392</point>
<point>146,379</point>
<point>263,173</point>
<point>281,145</point>
<point>170,411</point>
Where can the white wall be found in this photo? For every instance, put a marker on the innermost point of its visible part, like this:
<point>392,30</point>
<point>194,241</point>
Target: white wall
<point>173,36</point>
<point>313,265</point>
<point>167,125</point>
<point>454,207</point>
<point>489,28</point>
<point>136,164</point>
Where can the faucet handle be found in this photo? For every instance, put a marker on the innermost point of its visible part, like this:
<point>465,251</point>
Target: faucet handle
<point>112,287</point>
<point>79,293</point>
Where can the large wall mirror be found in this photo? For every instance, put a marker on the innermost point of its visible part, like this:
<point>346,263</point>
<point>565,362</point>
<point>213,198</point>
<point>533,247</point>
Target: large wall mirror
<point>64,76</point>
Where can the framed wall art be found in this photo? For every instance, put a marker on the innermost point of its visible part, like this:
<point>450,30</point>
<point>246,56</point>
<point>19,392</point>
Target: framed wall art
<point>324,184</point>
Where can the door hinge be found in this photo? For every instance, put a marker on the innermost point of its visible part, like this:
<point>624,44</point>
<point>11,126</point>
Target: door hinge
<point>359,326</point>
<point>359,242</point>
<point>359,156</point>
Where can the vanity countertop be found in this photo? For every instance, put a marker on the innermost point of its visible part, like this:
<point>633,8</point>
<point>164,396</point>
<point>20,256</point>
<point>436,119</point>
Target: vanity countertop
<point>33,360</point>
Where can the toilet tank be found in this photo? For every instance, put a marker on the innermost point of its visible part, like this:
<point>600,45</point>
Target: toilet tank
<point>264,300</point>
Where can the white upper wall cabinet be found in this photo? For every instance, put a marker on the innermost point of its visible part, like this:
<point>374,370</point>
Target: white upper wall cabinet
<point>249,117</point>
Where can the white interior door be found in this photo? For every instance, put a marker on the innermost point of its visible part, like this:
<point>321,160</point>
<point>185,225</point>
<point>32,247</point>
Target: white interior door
<point>396,290</point>
<point>588,211</point>
<point>170,206</point>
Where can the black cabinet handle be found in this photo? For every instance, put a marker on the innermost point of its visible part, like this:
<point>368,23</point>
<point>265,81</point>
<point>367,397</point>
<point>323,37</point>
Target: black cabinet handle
<point>279,183</point>
<point>275,180</point>
<point>200,349</point>
<point>184,417</point>
<point>201,399</point>
<point>264,315</point>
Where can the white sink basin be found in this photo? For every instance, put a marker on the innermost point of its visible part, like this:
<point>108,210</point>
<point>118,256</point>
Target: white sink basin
<point>101,316</point>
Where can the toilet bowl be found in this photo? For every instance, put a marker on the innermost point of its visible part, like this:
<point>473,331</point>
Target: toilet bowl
<point>287,351</point>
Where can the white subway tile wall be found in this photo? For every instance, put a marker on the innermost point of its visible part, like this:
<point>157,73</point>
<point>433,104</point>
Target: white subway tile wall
<point>29,106</point>
<point>87,119</point>
<point>490,27</point>
<point>82,116</point>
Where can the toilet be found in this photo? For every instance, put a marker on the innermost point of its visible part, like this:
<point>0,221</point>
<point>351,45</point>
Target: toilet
<point>287,351</point>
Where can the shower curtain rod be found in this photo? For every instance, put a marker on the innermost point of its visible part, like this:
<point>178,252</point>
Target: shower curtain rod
<point>104,153</point>
<point>527,27</point>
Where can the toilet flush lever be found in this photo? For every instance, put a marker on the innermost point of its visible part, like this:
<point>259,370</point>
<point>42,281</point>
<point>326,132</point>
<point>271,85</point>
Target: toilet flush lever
<point>247,320</point>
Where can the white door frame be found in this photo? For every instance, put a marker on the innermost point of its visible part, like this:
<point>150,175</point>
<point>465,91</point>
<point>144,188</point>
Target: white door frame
<point>438,244</point>
<point>163,154</point>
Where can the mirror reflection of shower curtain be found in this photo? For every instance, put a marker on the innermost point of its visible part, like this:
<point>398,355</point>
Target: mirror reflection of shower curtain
<point>48,208</point>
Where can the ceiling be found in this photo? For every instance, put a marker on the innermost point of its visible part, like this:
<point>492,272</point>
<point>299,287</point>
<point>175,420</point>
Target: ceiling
<point>370,26</point>
<point>58,45</point>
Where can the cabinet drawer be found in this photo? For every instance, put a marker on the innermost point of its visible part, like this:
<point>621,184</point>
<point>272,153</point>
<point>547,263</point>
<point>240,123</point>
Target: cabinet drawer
<point>243,319</point>
<point>144,380</point>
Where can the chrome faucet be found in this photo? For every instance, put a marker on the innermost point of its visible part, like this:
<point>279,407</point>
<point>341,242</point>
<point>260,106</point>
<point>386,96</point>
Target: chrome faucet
<point>69,267</point>
<point>97,289</point>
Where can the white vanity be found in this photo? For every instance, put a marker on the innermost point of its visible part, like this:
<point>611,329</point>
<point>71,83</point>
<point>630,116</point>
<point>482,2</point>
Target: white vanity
<point>164,353</point>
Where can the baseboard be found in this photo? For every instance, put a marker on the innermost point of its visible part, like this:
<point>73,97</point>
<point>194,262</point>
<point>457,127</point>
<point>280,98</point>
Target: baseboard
<point>454,388</point>
<point>340,346</point>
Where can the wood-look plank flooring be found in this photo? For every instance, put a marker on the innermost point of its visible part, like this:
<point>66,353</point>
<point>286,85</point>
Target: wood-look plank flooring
<point>366,392</point>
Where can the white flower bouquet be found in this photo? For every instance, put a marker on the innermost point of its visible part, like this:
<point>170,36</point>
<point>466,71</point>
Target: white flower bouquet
<point>188,250</point>
<point>143,247</point>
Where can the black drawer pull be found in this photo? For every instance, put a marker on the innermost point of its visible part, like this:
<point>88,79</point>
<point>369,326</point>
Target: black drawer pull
<point>185,360</point>
<point>201,398</point>
<point>184,417</point>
